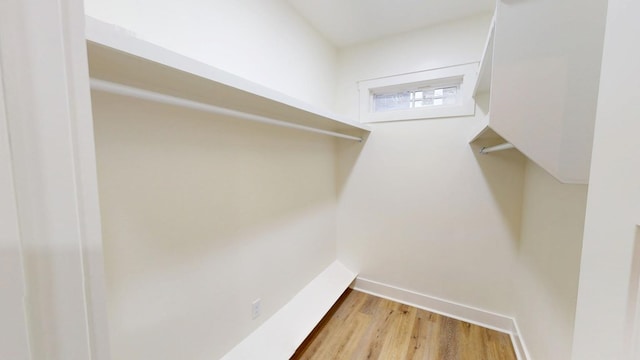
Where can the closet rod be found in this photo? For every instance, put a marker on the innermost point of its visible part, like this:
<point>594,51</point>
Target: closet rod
<point>119,89</point>
<point>490,149</point>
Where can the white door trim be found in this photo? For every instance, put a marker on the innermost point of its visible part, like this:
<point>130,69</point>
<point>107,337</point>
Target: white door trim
<point>14,334</point>
<point>50,131</point>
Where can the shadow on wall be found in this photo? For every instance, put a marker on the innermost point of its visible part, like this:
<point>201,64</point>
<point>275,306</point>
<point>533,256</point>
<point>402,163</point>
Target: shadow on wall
<point>548,263</point>
<point>201,215</point>
<point>348,153</point>
<point>503,169</point>
<point>172,174</point>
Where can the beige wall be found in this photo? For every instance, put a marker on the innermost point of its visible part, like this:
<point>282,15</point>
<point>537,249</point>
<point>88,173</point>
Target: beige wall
<point>546,280</point>
<point>419,208</point>
<point>452,43</point>
<point>202,215</point>
<point>250,211</point>
<point>264,41</point>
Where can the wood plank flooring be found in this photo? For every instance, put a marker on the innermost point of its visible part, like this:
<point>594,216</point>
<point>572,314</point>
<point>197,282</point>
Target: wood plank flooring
<point>362,326</point>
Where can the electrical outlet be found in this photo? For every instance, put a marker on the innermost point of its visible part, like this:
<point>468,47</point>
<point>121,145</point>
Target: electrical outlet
<point>255,308</point>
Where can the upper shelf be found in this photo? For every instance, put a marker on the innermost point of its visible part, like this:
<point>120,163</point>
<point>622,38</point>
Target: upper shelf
<point>484,131</point>
<point>117,56</point>
<point>483,83</point>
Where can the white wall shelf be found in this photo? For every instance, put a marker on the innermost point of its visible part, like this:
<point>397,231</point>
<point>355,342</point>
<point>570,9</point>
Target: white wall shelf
<point>117,56</point>
<point>551,125</point>
<point>483,131</point>
<point>284,332</point>
<point>483,84</point>
<point>544,87</point>
<point>484,134</point>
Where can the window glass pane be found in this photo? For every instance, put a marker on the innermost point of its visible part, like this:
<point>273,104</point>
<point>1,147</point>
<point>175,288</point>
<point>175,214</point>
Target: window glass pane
<point>389,102</point>
<point>416,98</point>
<point>428,94</point>
<point>448,91</point>
<point>450,95</point>
<point>450,100</point>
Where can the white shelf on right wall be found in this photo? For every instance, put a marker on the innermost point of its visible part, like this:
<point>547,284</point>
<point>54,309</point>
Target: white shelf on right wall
<point>483,130</point>
<point>541,82</point>
<point>483,84</point>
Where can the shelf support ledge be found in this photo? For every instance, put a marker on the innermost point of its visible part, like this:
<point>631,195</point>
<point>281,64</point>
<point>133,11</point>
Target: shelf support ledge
<point>129,91</point>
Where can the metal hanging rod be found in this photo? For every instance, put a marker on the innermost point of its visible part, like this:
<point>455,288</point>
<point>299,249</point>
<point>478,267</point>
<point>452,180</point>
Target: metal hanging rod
<point>506,146</point>
<point>119,89</point>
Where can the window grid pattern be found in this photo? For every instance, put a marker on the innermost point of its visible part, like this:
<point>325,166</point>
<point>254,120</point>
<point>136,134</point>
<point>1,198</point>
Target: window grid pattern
<point>416,98</point>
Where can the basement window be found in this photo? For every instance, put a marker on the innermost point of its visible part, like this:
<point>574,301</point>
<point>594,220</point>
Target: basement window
<point>428,94</point>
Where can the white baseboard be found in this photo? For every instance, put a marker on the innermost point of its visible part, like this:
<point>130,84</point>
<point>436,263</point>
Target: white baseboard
<point>451,309</point>
<point>518,343</point>
<point>279,336</point>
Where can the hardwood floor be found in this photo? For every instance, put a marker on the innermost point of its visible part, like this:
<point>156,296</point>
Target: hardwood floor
<point>362,326</point>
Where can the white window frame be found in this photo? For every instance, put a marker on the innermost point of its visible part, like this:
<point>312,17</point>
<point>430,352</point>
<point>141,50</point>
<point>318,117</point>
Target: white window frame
<point>467,74</point>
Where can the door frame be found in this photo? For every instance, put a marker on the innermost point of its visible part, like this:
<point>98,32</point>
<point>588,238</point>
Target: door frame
<point>52,167</point>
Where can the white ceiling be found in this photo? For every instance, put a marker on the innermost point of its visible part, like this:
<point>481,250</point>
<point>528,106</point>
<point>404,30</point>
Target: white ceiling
<point>348,22</point>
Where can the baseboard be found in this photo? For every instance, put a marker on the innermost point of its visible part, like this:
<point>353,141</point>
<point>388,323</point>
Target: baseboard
<point>279,336</point>
<point>451,309</point>
<point>518,343</point>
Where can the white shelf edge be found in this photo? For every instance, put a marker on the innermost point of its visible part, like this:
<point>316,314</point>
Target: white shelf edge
<point>281,335</point>
<point>124,41</point>
<point>480,129</point>
<point>483,82</point>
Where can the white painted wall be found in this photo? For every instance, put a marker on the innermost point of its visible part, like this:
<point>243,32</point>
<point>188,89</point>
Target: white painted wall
<point>608,275</point>
<point>201,216</point>
<point>419,208</point>
<point>265,41</point>
<point>546,279</point>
